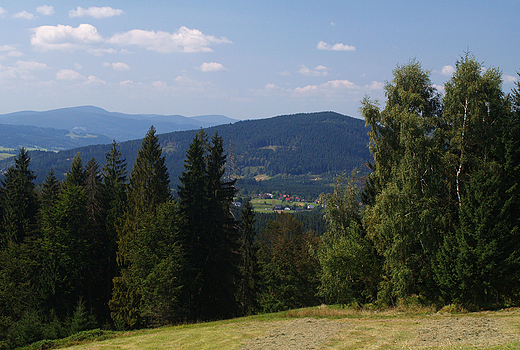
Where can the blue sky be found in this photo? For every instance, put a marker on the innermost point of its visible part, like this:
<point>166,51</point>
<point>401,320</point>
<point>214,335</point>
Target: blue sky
<point>242,59</point>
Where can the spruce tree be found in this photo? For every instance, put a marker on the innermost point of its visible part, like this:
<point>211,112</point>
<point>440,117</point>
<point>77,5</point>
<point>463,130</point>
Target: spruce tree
<point>149,179</point>
<point>114,199</point>
<point>193,202</point>
<point>137,256</point>
<point>208,229</point>
<point>248,267</point>
<point>19,201</point>
<point>76,175</point>
<point>475,256</point>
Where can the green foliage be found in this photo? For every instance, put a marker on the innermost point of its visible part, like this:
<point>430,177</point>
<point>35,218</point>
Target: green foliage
<point>479,256</point>
<point>81,319</point>
<point>324,143</point>
<point>149,179</point>
<point>19,201</point>
<point>350,269</point>
<point>288,265</point>
<point>208,230</point>
<point>248,266</point>
<point>403,220</point>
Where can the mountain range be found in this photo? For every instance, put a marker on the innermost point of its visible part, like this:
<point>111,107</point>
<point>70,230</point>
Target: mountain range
<point>101,124</point>
<point>302,152</point>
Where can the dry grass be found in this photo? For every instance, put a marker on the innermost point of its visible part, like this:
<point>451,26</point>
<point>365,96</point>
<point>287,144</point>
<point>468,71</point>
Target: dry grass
<point>335,328</point>
<point>339,312</point>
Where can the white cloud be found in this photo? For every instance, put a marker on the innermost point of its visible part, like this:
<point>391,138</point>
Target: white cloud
<point>15,54</point>
<point>336,47</point>
<point>126,83</point>
<point>448,70</point>
<point>78,66</point>
<point>284,74</point>
<point>118,66</point>
<point>28,65</point>
<point>211,67</point>
<point>86,37</point>
<point>7,48</point>
<point>319,71</point>
<point>375,85</point>
<point>63,37</point>
<point>23,14</point>
<point>11,51</point>
<point>68,74</point>
<point>160,84</point>
<point>272,87</point>
<point>101,52</point>
<point>96,12</point>
<point>94,80</point>
<point>2,11</point>
<point>327,88</point>
<point>510,79</point>
<point>439,88</point>
<point>45,10</point>
<point>183,40</point>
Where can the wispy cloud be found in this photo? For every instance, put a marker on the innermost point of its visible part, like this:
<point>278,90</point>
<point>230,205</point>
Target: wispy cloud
<point>94,80</point>
<point>336,47</point>
<point>319,71</point>
<point>11,51</point>
<point>45,10</point>
<point>328,87</point>
<point>448,70</point>
<point>30,65</point>
<point>510,78</point>
<point>2,11</point>
<point>375,85</point>
<point>211,67</point>
<point>118,66</point>
<point>96,12</point>
<point>23,14</point>
<point>68,74</point>
<point>183,40</point>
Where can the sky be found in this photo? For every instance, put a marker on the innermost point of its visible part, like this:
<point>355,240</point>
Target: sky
<point>242,59</point>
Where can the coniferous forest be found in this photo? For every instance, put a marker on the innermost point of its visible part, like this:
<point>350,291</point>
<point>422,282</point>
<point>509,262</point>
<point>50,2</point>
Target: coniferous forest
<point>436,222</point>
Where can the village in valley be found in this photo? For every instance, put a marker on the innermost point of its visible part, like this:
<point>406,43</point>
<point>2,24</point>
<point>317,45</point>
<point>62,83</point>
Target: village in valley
<point>278,203</point>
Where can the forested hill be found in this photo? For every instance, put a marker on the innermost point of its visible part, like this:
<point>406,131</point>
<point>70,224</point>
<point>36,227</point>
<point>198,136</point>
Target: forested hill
<point>313,143</point>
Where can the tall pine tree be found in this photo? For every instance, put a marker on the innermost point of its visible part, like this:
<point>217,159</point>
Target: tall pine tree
<point>19,201</point>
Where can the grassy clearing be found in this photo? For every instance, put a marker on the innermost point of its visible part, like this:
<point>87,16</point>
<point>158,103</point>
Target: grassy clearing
<point>398,328</point>
<point>6,155</point>
<point>263,205</point>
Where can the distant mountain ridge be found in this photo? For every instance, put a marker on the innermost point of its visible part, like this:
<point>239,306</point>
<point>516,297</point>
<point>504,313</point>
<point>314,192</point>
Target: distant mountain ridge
<point>13,137</point>
<point>113,125</point>
<point>286,150</point>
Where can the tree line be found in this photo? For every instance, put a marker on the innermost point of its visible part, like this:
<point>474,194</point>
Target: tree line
<point>439,217</point>
<point>103,249</point>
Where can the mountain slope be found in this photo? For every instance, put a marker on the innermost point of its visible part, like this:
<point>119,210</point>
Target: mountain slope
<point>118,126</point>
<point>13,137</point>
<point>296,146</point>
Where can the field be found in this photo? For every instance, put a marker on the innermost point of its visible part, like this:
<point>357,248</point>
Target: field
<point>5,155</point>
<point>263,205</point>
<point>334,328</point>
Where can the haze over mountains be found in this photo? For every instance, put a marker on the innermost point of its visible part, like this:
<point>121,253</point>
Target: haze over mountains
<point>95,121</point>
